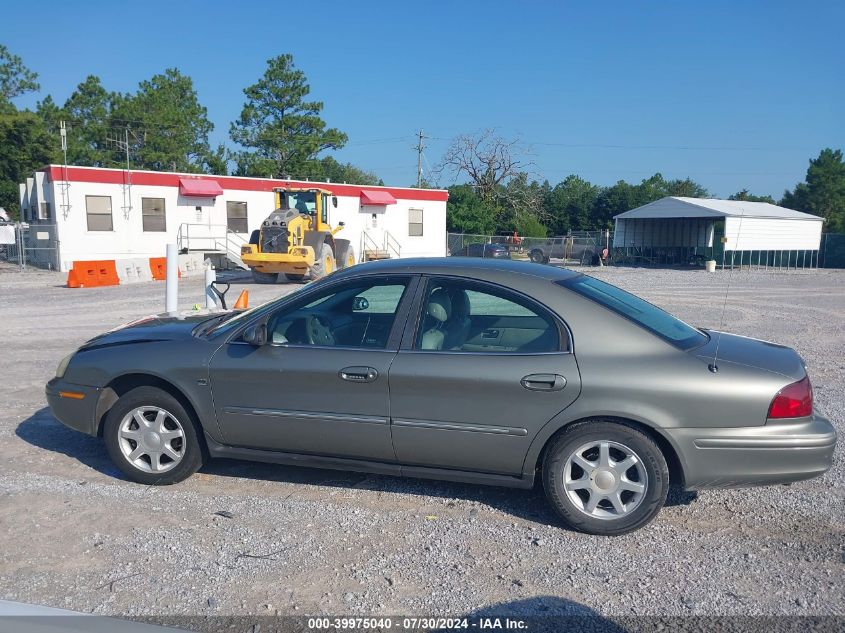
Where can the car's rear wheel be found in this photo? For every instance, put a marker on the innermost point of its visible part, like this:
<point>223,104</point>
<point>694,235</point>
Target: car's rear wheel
<point>605,478</point>
<point>151,437</point>
<point>536,256</point>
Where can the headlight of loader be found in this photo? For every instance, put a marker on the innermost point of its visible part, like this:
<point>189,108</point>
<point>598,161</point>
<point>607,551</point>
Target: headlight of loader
<point>62,368</point>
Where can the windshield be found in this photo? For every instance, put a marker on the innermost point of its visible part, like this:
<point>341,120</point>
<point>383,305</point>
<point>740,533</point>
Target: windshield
<point>638,310</point>
<point>303,201</point>
<point>227,325</point>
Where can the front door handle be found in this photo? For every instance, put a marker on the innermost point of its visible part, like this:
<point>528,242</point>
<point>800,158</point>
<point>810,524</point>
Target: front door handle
<point>358,374</point>
<point>543,382</point>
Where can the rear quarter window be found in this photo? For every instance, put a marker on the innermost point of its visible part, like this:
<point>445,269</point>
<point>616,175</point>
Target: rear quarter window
<point>640,311</point>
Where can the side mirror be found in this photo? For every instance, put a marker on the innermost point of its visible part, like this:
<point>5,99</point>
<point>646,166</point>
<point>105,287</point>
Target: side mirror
<point>334,201</point>
<point>360,303</point>
<point>256,335</point>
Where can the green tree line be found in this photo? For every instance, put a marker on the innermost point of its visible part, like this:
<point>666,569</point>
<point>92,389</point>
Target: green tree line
<point>280,132</point>
<point>575,204</point>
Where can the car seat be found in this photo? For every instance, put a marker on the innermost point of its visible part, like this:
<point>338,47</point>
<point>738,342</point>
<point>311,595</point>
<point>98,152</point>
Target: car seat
<point>458,325</point>
<point>438,311</point>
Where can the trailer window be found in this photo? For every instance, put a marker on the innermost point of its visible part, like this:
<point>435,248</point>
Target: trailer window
<point>415,222</point>
<point>236,217</point>
<point>98,212</point>
<point>152,215</point>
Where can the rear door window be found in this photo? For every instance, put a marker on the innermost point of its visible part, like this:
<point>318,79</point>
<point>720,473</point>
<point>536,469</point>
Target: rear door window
<point>638,310</point>
<point>464,316</point>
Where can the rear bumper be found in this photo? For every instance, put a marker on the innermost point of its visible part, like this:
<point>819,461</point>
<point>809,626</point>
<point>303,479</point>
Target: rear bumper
<point>71,410</point>
<point>776,453</point>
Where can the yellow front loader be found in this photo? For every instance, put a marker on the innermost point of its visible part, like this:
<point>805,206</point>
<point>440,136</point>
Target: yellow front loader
<point>296,239</point>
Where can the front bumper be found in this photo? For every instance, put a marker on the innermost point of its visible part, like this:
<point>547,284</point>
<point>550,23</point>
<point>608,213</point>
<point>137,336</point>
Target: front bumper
<point>775,453</point>
<point>78,413</point>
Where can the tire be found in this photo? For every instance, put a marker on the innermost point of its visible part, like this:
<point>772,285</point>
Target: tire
<point>264,278</point>
<point>121,425</point>
<point>345,254</point>
<point>324,264</point>
<point>585,439</point>
<point>294,278</point>
<point>536,256</point>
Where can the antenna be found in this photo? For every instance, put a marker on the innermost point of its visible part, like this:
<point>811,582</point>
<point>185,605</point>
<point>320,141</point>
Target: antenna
<point>65,184</point>
<point>714,366</point>
<point>123,144</point>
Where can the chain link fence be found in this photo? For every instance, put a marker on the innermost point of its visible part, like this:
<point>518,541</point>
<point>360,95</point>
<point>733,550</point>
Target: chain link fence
<point>582,248</point>
<point>26,245</point>
<point>589,248</point>
<point>832,250</point>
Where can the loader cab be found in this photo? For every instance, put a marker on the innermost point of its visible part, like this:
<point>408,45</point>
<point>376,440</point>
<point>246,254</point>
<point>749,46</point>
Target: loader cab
<point>310,202</point>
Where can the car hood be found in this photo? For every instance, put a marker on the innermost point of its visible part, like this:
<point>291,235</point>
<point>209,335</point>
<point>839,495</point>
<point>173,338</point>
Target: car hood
<point>160,327</point>
<point>752,352</point>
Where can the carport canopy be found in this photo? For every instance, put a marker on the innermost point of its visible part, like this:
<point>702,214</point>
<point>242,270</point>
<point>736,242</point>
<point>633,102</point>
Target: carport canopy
<point>677,221</point>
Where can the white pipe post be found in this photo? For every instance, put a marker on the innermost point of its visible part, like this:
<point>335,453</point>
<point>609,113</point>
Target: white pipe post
<point>171,291</point>
<point>210,277</point>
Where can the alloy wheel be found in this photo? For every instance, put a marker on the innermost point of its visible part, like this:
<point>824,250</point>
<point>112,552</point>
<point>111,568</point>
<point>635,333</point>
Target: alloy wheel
<point>151,439</point>
<point>605,479</point>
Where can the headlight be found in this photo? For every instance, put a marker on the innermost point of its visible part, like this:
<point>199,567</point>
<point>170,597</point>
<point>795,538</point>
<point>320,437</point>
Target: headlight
<point>62,368</point>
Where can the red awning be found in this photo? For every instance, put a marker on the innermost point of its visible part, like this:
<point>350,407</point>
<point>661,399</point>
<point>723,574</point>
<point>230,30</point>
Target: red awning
<point>199,188</point>
<point>373,196</point>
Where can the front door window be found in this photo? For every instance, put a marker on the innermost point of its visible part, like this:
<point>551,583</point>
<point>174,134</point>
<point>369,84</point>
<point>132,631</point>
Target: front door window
<point>359,314</point>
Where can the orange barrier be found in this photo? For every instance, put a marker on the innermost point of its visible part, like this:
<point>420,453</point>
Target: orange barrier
<point>158,267</point>
<point>92,274</point>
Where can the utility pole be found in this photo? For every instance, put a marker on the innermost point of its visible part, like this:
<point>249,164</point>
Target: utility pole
<point>420,147</point>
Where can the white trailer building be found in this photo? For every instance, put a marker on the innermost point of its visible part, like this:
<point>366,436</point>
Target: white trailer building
<point>733,232</point>
<point>86,213</point>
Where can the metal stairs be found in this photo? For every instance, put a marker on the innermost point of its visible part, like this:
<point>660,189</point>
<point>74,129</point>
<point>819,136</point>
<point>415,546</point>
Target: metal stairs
<point>212,239</point>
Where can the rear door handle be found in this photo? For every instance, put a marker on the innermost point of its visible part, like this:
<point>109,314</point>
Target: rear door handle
<point>543,382</point>
<point>490,334</point>
<point>358,374</point>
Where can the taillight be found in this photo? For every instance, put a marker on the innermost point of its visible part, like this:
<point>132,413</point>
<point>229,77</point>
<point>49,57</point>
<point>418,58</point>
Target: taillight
<point>793,401</point>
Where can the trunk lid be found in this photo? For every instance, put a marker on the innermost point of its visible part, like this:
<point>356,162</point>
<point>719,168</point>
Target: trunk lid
<point>752,352</point>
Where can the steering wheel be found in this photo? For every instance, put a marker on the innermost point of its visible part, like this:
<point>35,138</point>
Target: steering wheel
<point>317,331</point>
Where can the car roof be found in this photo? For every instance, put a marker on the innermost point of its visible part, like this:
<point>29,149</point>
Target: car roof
<point>457,266</point>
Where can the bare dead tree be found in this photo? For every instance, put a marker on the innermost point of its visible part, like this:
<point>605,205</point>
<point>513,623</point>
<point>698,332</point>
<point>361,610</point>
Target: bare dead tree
<point>488,160</point>
<point>524,197</point>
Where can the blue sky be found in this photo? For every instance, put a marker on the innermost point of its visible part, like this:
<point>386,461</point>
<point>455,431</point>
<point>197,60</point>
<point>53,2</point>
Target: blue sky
<point>735,95</point>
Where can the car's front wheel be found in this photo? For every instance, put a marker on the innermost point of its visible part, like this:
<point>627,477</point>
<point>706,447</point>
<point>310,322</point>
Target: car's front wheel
<point>605,478</point>
<point>151,437</point>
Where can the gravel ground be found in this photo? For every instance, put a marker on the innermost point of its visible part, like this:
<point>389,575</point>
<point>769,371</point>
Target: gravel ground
<point>301,541</point>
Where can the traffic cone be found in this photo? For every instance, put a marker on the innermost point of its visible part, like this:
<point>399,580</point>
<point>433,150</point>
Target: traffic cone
<point>243,300</point>
<point>73,279</point>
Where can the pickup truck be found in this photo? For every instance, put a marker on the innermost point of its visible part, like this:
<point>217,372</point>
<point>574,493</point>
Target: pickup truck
<point>565,248</point>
